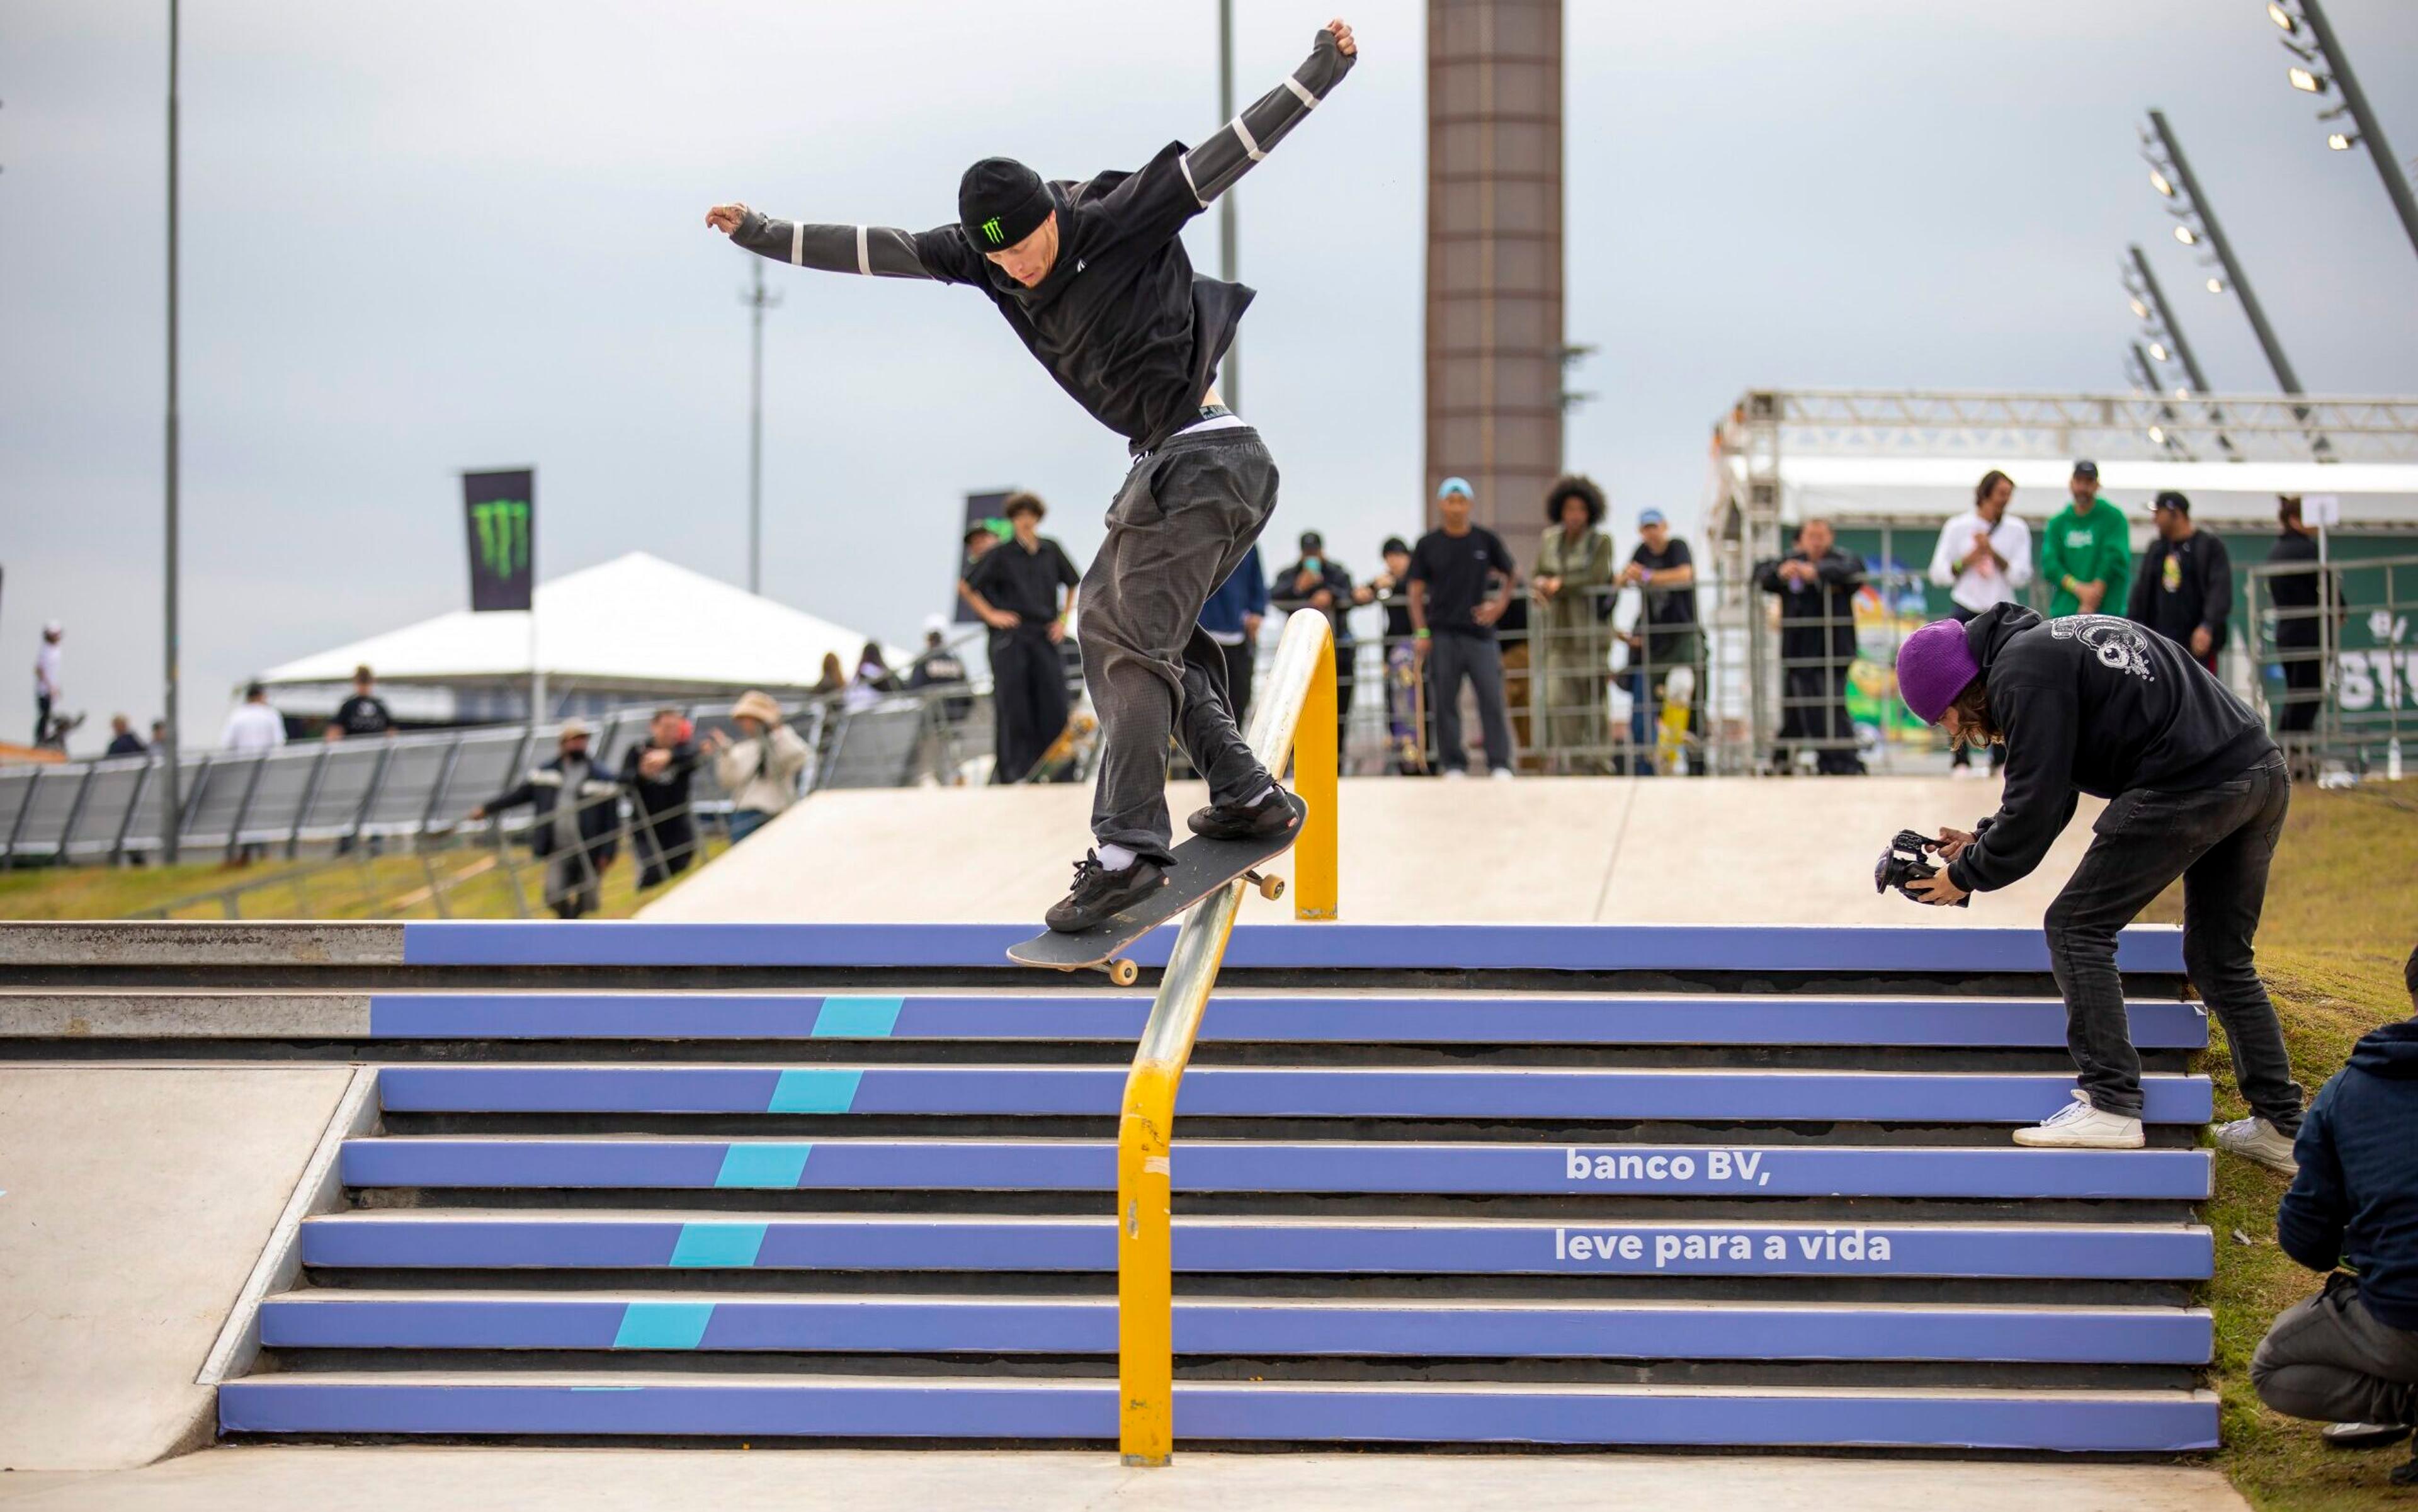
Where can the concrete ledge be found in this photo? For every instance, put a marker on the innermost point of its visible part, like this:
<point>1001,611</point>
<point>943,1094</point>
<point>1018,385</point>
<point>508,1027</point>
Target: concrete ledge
<point>169,1014</point>
<point>184,942</point>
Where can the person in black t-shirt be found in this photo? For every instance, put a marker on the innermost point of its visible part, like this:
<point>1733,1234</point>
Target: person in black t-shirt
<point>1093,277</point>
<point>1460,582</point>
<point>2185,588</point>
<point>1667,636</point>
<point>2300,638</point>
<point>1817,584</point>
<point>1017,589</point>
<point>362,713</point>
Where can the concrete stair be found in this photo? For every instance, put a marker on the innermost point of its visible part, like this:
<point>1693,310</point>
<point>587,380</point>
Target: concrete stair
<point>1450,1185</point>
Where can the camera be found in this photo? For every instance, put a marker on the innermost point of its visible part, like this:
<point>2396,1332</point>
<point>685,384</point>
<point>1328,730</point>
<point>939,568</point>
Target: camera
<point>1902,864</point>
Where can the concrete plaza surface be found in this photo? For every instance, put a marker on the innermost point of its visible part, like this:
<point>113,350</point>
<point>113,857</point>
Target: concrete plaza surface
<point>1796,851</point>
<point>412,1479</point>
<point>133,1203</point>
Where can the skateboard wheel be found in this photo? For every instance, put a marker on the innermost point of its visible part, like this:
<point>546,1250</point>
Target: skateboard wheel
<point>1123,973</point>
<point>1272,888</point>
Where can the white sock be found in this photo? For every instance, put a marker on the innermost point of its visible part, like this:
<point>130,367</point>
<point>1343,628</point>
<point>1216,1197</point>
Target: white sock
<point>1116,858</point>
<point>1262,796</point>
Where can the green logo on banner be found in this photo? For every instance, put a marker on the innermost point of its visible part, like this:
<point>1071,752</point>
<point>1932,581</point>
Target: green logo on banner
<point>503,526</point>
<point>991,229</point>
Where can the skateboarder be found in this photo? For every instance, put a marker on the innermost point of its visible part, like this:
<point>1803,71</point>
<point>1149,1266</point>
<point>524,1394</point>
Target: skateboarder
<point>1093,278</point>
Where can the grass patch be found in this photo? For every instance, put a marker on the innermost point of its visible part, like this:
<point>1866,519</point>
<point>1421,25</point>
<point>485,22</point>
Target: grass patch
<point>2341,916</point>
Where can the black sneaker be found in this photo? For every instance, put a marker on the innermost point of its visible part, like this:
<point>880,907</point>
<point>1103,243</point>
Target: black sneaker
<point>1273,814</point>
<point>1100,892</point>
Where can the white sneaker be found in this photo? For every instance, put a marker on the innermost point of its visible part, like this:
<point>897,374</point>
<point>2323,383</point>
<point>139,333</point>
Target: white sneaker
<point>2255,1138</point>
<point>2078,1125</point>
<point>1454,775</point>
<point>1961,772</point>
<point>1501,775</point>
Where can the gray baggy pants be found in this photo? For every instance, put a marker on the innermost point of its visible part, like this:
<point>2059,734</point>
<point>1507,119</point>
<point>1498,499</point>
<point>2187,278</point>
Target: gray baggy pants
<point>1187,512</point>
<point>1479,661</point>
<point>2329,1360</point>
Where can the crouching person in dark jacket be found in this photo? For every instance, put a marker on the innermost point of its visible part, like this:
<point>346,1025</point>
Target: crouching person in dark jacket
<point>2349,1354</point>
<point>578,816</point>
<point>2094,704</point>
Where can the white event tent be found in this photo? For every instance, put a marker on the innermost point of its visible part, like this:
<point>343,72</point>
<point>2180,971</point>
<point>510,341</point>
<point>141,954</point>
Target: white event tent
<point>633,629</point>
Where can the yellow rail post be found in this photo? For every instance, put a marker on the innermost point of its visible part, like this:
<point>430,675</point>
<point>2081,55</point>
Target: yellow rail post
<point>1297,697</point>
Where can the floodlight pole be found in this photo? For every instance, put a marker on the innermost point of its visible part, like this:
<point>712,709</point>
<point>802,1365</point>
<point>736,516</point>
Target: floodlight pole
<point>1229,377</point>
<point>2396,184</point>
<point>756,301</point>
<point>2166,321</point>
<point>2286,379</point>
<point>171,809</point>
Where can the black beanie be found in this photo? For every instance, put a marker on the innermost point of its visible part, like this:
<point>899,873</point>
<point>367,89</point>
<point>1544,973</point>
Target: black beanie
<point>1000,203</point>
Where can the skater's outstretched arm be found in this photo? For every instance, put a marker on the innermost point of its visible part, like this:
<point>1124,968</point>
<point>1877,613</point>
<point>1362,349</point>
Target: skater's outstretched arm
<point>1212,167</point>
<point>884,251</point>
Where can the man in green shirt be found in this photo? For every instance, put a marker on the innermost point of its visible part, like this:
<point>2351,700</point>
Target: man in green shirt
<point>2087,551</point>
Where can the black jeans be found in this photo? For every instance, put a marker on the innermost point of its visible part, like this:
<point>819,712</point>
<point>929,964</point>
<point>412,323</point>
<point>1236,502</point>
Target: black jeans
<point>1028,690</point>
<point>2219,840</point>
<point>2329,1360</point>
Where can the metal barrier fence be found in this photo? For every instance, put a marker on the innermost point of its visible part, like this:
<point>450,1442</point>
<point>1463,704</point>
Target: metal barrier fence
<point>2337,668</point>
<point>320,796</point>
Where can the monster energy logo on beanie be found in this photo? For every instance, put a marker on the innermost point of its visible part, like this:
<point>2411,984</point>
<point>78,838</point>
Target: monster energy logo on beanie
<point>1001,202</point>
<point>500,508</point>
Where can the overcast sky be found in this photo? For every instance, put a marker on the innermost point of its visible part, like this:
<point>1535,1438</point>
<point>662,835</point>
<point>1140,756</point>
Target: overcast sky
<point>428,236</point>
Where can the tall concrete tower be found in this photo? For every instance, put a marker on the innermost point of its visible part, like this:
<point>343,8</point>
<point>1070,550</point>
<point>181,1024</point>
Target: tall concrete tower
<point>1494,254</point>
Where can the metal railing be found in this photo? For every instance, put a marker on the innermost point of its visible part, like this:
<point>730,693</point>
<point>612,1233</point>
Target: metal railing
<point>2337,662</point>
<point>1296,715</point>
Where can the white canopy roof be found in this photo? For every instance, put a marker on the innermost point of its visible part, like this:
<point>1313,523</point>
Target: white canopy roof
<point>635,621</point>
<point>1935,486</point>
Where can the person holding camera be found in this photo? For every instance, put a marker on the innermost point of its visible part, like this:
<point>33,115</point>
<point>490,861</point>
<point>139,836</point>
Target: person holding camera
<point>1317,581</point>
<point>2094,704</point>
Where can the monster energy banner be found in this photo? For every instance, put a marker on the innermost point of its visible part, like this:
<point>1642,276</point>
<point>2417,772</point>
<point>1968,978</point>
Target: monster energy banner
<point>502,512</point>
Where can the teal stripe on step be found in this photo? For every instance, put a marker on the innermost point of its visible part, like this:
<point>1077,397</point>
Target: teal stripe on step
<point>663,1325</point>
<point>721,1245</point>
<point>762,1164</point>
<point>814,1090</point>
<point>857,1018</point>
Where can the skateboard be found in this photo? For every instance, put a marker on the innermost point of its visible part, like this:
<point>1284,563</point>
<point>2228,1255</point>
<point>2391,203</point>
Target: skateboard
<point>1202,867</point>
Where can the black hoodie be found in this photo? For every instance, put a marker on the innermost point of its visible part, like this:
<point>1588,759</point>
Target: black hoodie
<point>2099,705</point>
<point>2356,1197</point>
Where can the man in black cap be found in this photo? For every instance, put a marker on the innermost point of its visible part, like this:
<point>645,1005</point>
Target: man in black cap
<point>1093,278</point>
<point>2184,589</point>
<point>1314,580</point>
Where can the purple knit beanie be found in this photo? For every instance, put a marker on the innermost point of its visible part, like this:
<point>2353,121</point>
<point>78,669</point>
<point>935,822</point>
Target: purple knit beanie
<point>1934,666</point>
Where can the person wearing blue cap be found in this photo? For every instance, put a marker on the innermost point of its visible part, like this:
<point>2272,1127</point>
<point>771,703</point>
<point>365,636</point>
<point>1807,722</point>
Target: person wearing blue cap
<point>1093,279</point>
<point>1460,581</point>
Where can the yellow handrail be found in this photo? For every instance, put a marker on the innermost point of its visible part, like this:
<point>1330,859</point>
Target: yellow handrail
<point>1296,699</point>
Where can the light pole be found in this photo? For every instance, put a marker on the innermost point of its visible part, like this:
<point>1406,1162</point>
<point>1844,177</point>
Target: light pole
<point>2166,333</point>
<point>2171,176</point>
<point>1230,379</point>
<point>756,301</point>
<point>2145,376</point>
<point>2316,79</point>
<point>172,807</point>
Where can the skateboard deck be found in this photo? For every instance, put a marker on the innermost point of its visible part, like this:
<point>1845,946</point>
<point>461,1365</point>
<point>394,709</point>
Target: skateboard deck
<point>1202,867</point>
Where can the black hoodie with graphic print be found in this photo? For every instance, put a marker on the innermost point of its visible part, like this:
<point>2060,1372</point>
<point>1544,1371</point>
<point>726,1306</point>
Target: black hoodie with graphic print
<point>2090,703</point>
<point>2355,1199</point>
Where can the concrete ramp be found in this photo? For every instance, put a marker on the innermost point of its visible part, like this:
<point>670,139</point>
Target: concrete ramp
<point>133,1203</point>
<point>1546,851</point>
